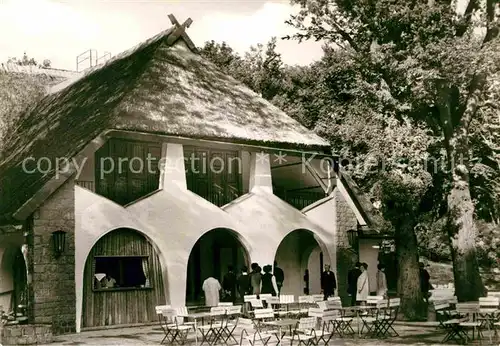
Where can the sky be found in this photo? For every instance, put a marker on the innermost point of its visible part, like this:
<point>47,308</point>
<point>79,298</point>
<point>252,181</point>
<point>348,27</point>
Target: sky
<point>60,30</point>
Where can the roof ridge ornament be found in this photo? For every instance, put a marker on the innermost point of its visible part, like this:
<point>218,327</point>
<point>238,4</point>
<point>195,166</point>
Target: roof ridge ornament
<point>180,31</point>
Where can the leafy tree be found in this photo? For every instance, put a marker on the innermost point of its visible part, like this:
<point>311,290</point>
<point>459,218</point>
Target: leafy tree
<point>433,69</point>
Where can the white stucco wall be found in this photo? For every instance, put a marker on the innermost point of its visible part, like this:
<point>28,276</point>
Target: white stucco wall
<point>173,218</point>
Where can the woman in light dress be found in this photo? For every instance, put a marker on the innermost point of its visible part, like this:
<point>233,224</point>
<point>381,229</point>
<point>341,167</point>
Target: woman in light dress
<point>363,284</point>
<point>381,281</point>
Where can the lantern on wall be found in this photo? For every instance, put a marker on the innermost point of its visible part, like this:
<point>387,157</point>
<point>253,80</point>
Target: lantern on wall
<point>59,242</point>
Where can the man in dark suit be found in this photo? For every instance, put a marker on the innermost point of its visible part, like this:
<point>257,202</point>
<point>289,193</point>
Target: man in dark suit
<point>328,282</point>
<point>279,275</point>
<point>244,286</point>
<point>229,285</point>
<point>352,282</point>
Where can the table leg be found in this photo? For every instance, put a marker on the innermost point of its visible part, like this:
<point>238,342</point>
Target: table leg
<point>195,332</point>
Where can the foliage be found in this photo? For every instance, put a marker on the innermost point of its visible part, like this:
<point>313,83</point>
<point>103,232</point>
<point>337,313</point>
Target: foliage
<point>26,61</point>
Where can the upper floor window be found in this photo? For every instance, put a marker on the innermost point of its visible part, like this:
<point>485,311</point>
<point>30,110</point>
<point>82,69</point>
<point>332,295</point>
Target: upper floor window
<point>127,170</point>
<point>213,174</point>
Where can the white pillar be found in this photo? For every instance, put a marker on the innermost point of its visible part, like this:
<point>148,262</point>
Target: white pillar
<point>260,172</point>
<point>172,166</point>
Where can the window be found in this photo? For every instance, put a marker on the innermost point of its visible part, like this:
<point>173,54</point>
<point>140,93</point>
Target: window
<point>127,170</point>
<point>213,174</point>
<point>121,272</point>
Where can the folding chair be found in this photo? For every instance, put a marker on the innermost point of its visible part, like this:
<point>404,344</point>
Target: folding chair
<point>341,322</point>
<point>164,324</point>
<point>333,319</point>
<point>255,335</point>
<point>386,317</point>
<point>305,302</point>
<point>232,318</point>
<point>183,311</point>
<point>369,318</point>
<point>443,312</point>
<point>261,315</point>
<point>304,332</point>
<point>211,332</point>
<point>177,332</point>
<point>470,311</point>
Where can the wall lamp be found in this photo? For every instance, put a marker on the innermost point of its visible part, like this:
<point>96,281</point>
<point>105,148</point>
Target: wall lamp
<point>59,242</point>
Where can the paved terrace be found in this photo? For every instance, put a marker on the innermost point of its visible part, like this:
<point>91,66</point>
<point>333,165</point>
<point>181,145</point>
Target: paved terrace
<point>410,334</point>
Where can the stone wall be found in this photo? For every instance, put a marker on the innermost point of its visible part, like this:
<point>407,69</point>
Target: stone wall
<point>346,257</point>
<point>53,289</point>
<point>26,335</point>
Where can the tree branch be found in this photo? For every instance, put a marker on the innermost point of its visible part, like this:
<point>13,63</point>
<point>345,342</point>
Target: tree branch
<point>462,27</point>
<point>492,27</point>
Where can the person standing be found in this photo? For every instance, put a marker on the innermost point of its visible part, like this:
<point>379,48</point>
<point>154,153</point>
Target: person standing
<point>306,282</point>
<point>381,281</point>
<point>425,281</point>
<point>229,285</point>
<point>243,283</point>
<point>256,279</point>
<point>279,275</point>
<point>352,282</point>
<point>328,282</point>
<point>212,288</point>
<point>363,284</point>
<point>269,284</point>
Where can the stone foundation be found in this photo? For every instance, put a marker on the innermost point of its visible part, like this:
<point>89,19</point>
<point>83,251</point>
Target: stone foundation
<point>27,334</point>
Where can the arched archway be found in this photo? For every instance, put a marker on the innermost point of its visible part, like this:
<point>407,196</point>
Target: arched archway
<point>13,278</point>
<point>211,255</point>
<point>123,280</point>
<point>300,250</point>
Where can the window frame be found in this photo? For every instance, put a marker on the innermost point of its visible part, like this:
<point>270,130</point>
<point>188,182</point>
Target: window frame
<point>114,289</point>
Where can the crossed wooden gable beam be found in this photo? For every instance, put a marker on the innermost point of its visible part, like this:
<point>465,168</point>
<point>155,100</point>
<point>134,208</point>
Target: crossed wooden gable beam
<point>180,31</point>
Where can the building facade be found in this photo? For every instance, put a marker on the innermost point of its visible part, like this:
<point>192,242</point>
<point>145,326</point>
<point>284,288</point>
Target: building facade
<point>160,171</point>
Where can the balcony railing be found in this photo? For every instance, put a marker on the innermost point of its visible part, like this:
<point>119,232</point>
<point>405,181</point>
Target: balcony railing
<point>300,199</point>
<point>89,185</point>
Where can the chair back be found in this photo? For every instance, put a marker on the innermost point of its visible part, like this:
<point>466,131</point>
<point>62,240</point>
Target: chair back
<point>441,305</point>
<point>256,303</point>
<point>469,310</point>
<point>265,296</point>
<point>493,294</point>
<point>394,302</point>
<point>287,298</point>
<point>382,304</point>
<point>315,312</point>
<point>235,309</point>
<point>170,315</point>
<point>333,304</point>
<point>263,313</point>
<point>317,297</point>
<point>159,308</point>
<point>273,300</point>
<point>330,315</point>
<point>225,304</point>
<point>306,299</point>
<point>453,300</point>
<point>246,323</point>
<point>307,323</point>
<point>488,304</point>
<point>335,299</point>
<point>218,310</point>
<point>372,300</point>
<point>249,297</point>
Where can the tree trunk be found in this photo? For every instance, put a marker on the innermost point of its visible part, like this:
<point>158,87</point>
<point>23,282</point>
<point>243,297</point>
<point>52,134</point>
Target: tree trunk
<point>462,232</point>
<point>460,214</point>
<point>413,306</point>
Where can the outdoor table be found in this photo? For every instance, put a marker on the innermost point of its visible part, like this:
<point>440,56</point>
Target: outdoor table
<point>195,317</point>
<point>358,309</point>
<point>287,322</point>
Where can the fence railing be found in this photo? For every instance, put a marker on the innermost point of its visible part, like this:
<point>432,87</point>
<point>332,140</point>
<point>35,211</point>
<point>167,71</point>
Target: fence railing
<point>89,185</point>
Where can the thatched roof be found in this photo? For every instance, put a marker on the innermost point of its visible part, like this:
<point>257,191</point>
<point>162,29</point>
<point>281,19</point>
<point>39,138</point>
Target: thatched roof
<point>157,87</point>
